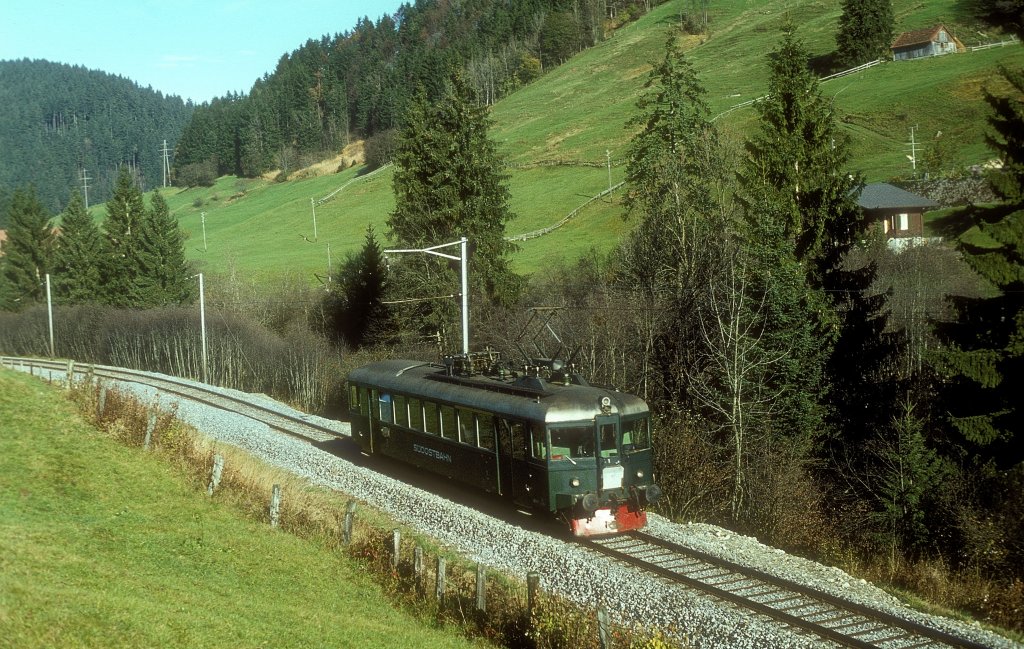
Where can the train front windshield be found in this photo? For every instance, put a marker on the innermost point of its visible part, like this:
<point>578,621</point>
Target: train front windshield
<point>576,442</point>
<point>636,435</point>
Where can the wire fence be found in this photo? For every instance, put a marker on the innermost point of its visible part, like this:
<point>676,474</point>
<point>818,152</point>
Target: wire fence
<point>526,236</point>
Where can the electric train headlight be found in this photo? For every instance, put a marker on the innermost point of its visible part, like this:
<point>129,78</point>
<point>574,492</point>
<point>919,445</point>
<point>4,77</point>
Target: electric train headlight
<point>640,474</point>
<point>575,482</point>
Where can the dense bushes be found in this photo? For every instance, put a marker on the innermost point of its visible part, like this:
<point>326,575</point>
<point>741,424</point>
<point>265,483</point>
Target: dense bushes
<point>293,365</point>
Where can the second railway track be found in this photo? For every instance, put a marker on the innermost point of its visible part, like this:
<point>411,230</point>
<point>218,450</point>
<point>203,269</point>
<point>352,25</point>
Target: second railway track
<point>832,618</point>
<point>301,427</point>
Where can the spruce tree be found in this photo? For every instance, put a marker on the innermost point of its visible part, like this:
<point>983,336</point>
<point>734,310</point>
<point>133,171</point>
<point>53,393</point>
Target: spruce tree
<point>79,255</point>
<point>448,184</point>
<point>865,31</point>
<point>28,250</point>
<point>357,313</point>
<point>984,360</point>
<point>125,215</point>
<point>674,179</point>
<point>164,277</point>
<point>796,161</point>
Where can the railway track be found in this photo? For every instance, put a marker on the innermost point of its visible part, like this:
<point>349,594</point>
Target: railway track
<point>295,426</point>
<point>832,618</point>
<point>811,612</point>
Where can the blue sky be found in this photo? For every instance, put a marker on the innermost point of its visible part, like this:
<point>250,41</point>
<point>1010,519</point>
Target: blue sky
<point>195,49</point>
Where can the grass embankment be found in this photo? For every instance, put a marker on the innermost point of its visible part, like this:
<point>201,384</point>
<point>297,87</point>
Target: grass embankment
<point>577,114</point>
<point>103,545</point>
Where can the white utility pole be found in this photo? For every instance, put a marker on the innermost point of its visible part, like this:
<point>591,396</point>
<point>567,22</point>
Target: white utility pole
<point>166,162</point>
<point>202,217</point>
<point>433,250</point>
<point>85,186</point>
<point>49,310</point>
<point>312,205</point>
<point>328,261</point>
<point>608,156</point>
<point>913,149</point>
<point>202,323</point>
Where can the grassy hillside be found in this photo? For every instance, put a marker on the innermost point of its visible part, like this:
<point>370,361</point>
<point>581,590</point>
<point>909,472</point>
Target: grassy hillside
<point>575,117</point>
<point>105,546</point>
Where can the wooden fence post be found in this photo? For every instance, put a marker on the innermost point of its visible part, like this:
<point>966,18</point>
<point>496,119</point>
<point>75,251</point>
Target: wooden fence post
<point>71,375</point>
<point>150,427</point>
<point>275,505</point>
<point>218,470</point>
<point>603,630</point>
<point>439,588</point>
<point>396,546</point>
<point>532,588</point>
<point>346,530</point>
<point>417,567</point>
<point>101,403</point>
<point>481,588</point>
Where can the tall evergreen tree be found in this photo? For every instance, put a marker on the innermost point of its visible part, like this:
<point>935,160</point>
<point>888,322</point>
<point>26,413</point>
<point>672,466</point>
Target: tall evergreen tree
<point>984,361</point>
<point>449,183</point>
<point>357,313</point>
<point>79,256</point>
<point>28,250</point>
<point>125,215</point>
<point>674,177</point>
<point>801,217</point>
<point>797,159</point>
<point>865,31</point>
<point>164,277</point>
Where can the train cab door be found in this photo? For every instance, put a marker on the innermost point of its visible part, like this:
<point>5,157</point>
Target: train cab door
<point>513,449</point>
<point>609,462</point>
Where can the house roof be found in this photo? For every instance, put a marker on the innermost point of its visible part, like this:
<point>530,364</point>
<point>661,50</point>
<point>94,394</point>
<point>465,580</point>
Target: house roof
<point>878,196</point>
<point>918,37</point>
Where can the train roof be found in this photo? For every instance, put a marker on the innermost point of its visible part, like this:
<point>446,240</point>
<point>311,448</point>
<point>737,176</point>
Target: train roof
<point>528,397</point>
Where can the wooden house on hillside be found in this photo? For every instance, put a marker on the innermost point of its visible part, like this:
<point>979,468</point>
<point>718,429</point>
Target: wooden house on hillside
<point>933,41</point>
<point>899,213</point>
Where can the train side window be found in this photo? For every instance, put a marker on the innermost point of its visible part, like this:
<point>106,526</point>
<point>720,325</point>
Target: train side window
<point>467,432</point>
<point>387,415</point>
<point>539,447</point>
<point>415,414</point>
<point>449,425</point>
<point>401,413</point>
<point>485,430</point>
<point>430,423</point>
<point>353,398</point>
<point>364,403</point>
<point>514,432</point>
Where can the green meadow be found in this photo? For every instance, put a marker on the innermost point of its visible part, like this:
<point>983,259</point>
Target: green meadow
<point>561,134</point>
<point>103,545</point>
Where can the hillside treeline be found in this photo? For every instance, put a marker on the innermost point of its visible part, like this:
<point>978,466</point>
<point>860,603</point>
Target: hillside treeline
<point>359,82</point>
<point>60,120</point>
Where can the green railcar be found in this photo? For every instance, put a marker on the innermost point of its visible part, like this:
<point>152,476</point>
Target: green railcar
<point>540,436</point>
